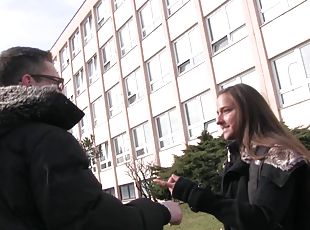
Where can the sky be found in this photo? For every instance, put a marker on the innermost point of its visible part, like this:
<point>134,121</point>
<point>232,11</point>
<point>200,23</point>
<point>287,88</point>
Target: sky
<point>35,23</point>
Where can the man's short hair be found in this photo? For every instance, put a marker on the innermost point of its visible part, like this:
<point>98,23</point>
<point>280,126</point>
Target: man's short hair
<point>17,61</point>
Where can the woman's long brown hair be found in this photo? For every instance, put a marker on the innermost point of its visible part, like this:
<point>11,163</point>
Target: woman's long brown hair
<point>258,123</point>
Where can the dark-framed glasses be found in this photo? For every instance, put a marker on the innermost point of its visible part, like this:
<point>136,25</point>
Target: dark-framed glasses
<point>55,80</point>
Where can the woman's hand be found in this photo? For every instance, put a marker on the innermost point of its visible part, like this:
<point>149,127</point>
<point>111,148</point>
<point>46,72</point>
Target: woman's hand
<point>169,183</point>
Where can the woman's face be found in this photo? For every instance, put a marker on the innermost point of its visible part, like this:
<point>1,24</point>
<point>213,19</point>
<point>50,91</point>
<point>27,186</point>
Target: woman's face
<point>227,116</point>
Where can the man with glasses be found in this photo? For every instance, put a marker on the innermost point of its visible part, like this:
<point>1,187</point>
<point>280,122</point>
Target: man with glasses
<point>45,181</point>
<point>21,65</point>
<point>48,79</point>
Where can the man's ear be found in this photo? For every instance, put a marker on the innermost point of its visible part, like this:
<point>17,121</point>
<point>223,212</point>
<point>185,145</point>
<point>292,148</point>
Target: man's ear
<point>26,80</point>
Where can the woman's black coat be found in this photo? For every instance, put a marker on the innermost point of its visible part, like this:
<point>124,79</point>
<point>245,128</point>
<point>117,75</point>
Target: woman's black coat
<point>255,195</point>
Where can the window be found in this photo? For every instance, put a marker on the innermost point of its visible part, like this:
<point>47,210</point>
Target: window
<point>64,57</point>
<point>83,123</point>
<point>93,164</point>
<point>121,146</point>
<point>92,70</point>
<point>127,191</point>
<point>293,75</point>
<point>65,92</point>
<point>114,100</point>
<point>158,70</point>
<point>199,110</point>
<point>110,191</point>
<point>188,50</point>
<point>105,159</point>
<point>167,128</point>
<point>211,126</point>
<point>79,82</point>
<point>75,44</point>
<point>250,78</point>
<point>141,136</point>
<point>118,3</point>
<point>87,33</point>
<point>97,112</point>
<point>102,12</point>
<point>133,87</point>
<point>108,55</point>
<point>150,17</point>
<point>127,37</point>
<point>273,8</point>
<point>227,25</point>
<point>82,126</point>
<point>174,5</point>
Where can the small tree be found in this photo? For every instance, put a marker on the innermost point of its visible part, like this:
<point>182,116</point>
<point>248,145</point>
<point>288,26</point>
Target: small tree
<point>142,174</point>
<point>93,152</point>
<point>303,134</point>
<point>202,163</point>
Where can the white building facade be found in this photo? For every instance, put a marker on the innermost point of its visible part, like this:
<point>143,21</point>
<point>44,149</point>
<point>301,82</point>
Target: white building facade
<point>146,72</point>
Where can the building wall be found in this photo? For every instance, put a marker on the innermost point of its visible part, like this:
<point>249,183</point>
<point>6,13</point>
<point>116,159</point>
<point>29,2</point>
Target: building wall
<point>159,67</point>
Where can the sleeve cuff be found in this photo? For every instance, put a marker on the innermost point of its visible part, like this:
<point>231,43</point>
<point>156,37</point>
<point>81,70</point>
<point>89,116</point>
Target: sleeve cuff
<point>182,189</point>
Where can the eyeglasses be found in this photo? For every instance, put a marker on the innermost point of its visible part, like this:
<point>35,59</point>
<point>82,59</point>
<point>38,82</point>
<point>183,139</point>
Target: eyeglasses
<point>57,80</point>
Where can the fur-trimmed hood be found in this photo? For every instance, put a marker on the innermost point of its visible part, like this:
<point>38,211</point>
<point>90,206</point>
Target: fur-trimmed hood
<point>20,104</point>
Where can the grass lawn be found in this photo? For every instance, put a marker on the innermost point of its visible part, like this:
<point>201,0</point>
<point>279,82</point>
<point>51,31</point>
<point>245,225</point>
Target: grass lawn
<point>196,221</point>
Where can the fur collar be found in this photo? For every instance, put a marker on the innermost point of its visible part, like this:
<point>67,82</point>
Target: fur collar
<point>19,104</point>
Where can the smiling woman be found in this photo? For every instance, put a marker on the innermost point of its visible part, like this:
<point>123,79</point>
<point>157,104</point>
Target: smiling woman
<point>227,116</point>
<point>264,176</point>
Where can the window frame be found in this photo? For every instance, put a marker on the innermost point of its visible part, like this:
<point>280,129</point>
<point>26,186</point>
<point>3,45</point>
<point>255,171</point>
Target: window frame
<point>135,78</point>
<point>175,6</point>
<point>105,156</point>
<point>83,123</point>
<point>203,106</point>
<point>250,77</point>
<point>95,105</point>
<point>75,44</point>
<point>276,8</point>
<point>79,82</point>
<point>64,57</point>
<point>102,13</point>
<point>156,81</point>
<point>154,21</point>
<point>141,146</point>
<point>92,69</point>
<point>87,29</point>
<point>113,95</point>
<point>117,4</point>
<point>172,136</point>
<point>299,87</point>
<point>127,38</point>
<point>121,146</point>
<point>110,191</point>
<point>108,50</point>
<point>192,55</point>
<point>231,35</point>
<point>130,189</point>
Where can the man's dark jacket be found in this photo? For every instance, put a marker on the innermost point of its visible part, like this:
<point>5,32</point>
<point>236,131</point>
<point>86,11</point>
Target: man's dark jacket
<point>259,194</point>
<point>45,182</point>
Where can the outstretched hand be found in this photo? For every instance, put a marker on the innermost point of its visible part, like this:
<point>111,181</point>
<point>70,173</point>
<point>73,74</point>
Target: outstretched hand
<point>169,183</point>
<point>175,211</point>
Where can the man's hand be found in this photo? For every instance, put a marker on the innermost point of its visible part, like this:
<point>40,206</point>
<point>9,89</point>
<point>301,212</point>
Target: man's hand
<point>175,211</point>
